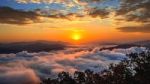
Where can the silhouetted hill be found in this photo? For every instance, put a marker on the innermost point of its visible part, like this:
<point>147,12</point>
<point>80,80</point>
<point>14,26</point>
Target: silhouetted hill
<point>143,43</point>
<point>35,46</point>
<point>128,45</point>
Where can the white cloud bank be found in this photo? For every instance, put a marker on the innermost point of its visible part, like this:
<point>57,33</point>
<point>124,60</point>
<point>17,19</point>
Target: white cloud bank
<point>28,68</point>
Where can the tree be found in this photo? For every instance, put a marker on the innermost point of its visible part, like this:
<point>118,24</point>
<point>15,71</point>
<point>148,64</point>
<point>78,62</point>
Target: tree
<point>134,70</point>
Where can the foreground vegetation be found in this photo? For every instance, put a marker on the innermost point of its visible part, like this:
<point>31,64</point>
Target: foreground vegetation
<point>135,70</point>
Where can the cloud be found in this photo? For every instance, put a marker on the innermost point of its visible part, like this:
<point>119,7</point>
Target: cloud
<point>20,17</point>
<point>95,12</point>
<point>135,10</point>
<point>17,76</point>
<point>57,1</point>
<point>92,12</point>
<point>59,15</point>
<point>12,16</point>
<point>45,1</point>
<point>131,10</point>
<point>25,67</point>
<point>70,8</point>
<point>143,29</point>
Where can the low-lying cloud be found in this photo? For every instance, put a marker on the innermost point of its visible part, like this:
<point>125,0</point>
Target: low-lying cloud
<point>17,75</point>
<point>29,68</point>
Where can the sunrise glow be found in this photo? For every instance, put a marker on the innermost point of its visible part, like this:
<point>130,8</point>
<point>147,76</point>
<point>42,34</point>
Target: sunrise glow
<point>74,41</point>
<point>76,36</point>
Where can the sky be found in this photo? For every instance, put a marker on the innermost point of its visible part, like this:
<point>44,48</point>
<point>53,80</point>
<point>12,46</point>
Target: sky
<point>74,21</point>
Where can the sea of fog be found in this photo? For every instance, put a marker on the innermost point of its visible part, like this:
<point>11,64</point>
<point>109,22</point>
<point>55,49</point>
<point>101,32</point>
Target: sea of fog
<point>24,67</point>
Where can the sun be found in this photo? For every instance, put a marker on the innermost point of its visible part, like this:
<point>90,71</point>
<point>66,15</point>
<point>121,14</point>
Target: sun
<point>76,36</point>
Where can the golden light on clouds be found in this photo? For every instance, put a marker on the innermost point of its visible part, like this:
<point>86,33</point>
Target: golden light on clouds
<point>78,31</point>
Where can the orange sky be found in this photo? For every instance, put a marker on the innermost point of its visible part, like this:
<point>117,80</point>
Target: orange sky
<point>74,21</point>
<point>89,29</point>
